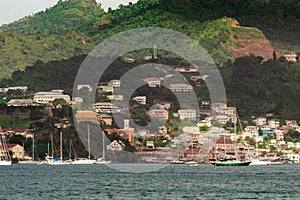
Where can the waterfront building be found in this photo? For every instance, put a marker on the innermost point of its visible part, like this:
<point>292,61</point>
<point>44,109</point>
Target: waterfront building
<point>17,151</point>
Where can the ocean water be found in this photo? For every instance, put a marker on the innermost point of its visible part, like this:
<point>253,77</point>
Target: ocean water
<point>172,182</point>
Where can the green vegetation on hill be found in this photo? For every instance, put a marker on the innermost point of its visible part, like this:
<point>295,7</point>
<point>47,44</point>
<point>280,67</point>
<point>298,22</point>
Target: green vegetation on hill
<point>255,87</point>
<point>76,26</point>
<point>78,15</point>
<point>258,88</point>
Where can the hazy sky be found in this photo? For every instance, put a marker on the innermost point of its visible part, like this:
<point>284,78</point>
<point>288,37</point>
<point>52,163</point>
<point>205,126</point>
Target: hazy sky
<point>11,10</point>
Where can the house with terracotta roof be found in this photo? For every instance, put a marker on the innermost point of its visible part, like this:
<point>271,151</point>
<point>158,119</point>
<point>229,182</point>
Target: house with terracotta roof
<point>105,118</point>
<point>86,116</point>
<point>12,131</point>
<point>191,153</point>
<point>224,145</point>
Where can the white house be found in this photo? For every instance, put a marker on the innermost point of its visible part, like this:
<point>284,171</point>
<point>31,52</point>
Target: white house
<point>191,129</point>
<point>115,83</point>
<point>274,123</point>
<point>261,121</point>
<point>140,99</point>
<point>105,89</point>
<point>20,102</point>
<point>116,145</point>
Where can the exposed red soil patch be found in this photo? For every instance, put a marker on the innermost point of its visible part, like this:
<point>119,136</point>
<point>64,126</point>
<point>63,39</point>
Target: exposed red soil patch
<point>258,47</point>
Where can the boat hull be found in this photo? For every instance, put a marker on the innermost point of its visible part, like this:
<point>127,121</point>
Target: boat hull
<point>59,163</point>
<point>5,162</point>
<point>260,162</point>
<point>83,162</point>
<point>231,163</point>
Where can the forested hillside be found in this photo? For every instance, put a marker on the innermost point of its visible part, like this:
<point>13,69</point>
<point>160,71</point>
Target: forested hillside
<point>227,29</point>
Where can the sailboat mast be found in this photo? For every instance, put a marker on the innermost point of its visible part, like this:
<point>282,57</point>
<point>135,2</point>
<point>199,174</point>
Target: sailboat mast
<point>103,144</point>
<point>235,135</point>
<point>52,148</point>
<point>48,148</point>
<point>33,147</point>
<point>89,145</point>
<point>70,149</point>
<point>61,153</point>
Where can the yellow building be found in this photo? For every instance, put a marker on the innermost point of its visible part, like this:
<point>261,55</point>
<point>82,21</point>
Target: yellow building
<point>16,150</point>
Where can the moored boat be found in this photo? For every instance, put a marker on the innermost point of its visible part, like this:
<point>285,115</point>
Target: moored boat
<point>192,163</point>
<point>5,162</point>
<point>259,162</point>
<point>83,161</point>
<point>231,163</point>
<point>177,162</point>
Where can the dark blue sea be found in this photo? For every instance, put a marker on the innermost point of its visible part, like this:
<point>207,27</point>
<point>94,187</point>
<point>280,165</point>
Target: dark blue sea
<point>21,181</point>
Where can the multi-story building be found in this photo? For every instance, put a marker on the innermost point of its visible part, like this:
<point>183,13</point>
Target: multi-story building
<point>218,107</point>
<point>106,107</point>
<point>187,114</point>
<point>181,88</point>
<point>159,113</point>
<point>153,82</point>
<point>49,97</point>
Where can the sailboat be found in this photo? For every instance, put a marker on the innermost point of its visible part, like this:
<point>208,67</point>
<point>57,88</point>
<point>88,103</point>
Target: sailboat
<point>84,161</point>
<point>192,163</point>
<point>55,161</point>
<point>256,161</point>
<point>232,162</point>
<point>5,158</point>
<point>102,160</point>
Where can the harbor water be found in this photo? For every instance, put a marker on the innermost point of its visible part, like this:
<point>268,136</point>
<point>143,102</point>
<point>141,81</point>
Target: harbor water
<point>21,181</point>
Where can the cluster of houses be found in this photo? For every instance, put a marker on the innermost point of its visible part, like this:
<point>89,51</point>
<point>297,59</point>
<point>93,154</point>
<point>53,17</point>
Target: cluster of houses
<point>199,140</point>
